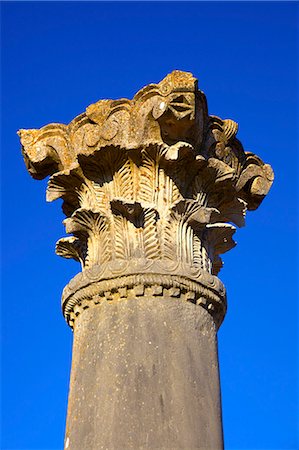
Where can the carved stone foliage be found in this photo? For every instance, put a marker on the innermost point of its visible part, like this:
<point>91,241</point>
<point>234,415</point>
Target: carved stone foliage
<point>154,178</point>
<point>121,207</point>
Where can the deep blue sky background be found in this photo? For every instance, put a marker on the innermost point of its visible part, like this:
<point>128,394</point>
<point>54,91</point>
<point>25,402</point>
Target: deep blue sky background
<point>57,58</point>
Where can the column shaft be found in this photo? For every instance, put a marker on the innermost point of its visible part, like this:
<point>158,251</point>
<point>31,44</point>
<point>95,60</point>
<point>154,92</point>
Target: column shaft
<point>144,376</point>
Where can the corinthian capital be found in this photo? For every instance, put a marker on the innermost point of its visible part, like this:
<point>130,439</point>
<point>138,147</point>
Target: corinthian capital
<point>151,188</point>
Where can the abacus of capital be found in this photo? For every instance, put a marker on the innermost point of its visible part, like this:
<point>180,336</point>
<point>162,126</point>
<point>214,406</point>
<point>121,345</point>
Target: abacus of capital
<point>150,188</point>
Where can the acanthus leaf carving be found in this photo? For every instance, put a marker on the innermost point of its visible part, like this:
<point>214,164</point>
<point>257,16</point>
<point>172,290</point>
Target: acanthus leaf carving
<point>255,180</point>
<point>93,229</point>
<point>219,240</point>
<point>195,213</point>
<point>72,247</point>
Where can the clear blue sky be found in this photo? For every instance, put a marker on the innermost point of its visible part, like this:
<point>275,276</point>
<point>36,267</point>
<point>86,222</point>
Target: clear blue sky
<point>57,58</point>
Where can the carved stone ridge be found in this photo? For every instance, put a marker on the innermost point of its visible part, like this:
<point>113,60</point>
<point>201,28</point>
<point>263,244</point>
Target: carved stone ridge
<point>149,185</point>
<point>89,289</point>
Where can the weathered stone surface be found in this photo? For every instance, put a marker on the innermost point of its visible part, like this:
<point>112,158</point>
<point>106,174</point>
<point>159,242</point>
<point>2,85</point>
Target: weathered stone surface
<point>151,188</point>
<point>144,376</point>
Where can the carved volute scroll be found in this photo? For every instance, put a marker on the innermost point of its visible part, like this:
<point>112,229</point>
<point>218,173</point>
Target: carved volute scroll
<point>152,188</point>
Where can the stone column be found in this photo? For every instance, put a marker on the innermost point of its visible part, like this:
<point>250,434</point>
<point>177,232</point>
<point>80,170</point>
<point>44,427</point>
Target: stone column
<point>150,187</point>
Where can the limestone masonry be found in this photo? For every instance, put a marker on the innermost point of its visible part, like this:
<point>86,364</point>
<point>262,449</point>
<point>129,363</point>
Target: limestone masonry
<point>150,187</point>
